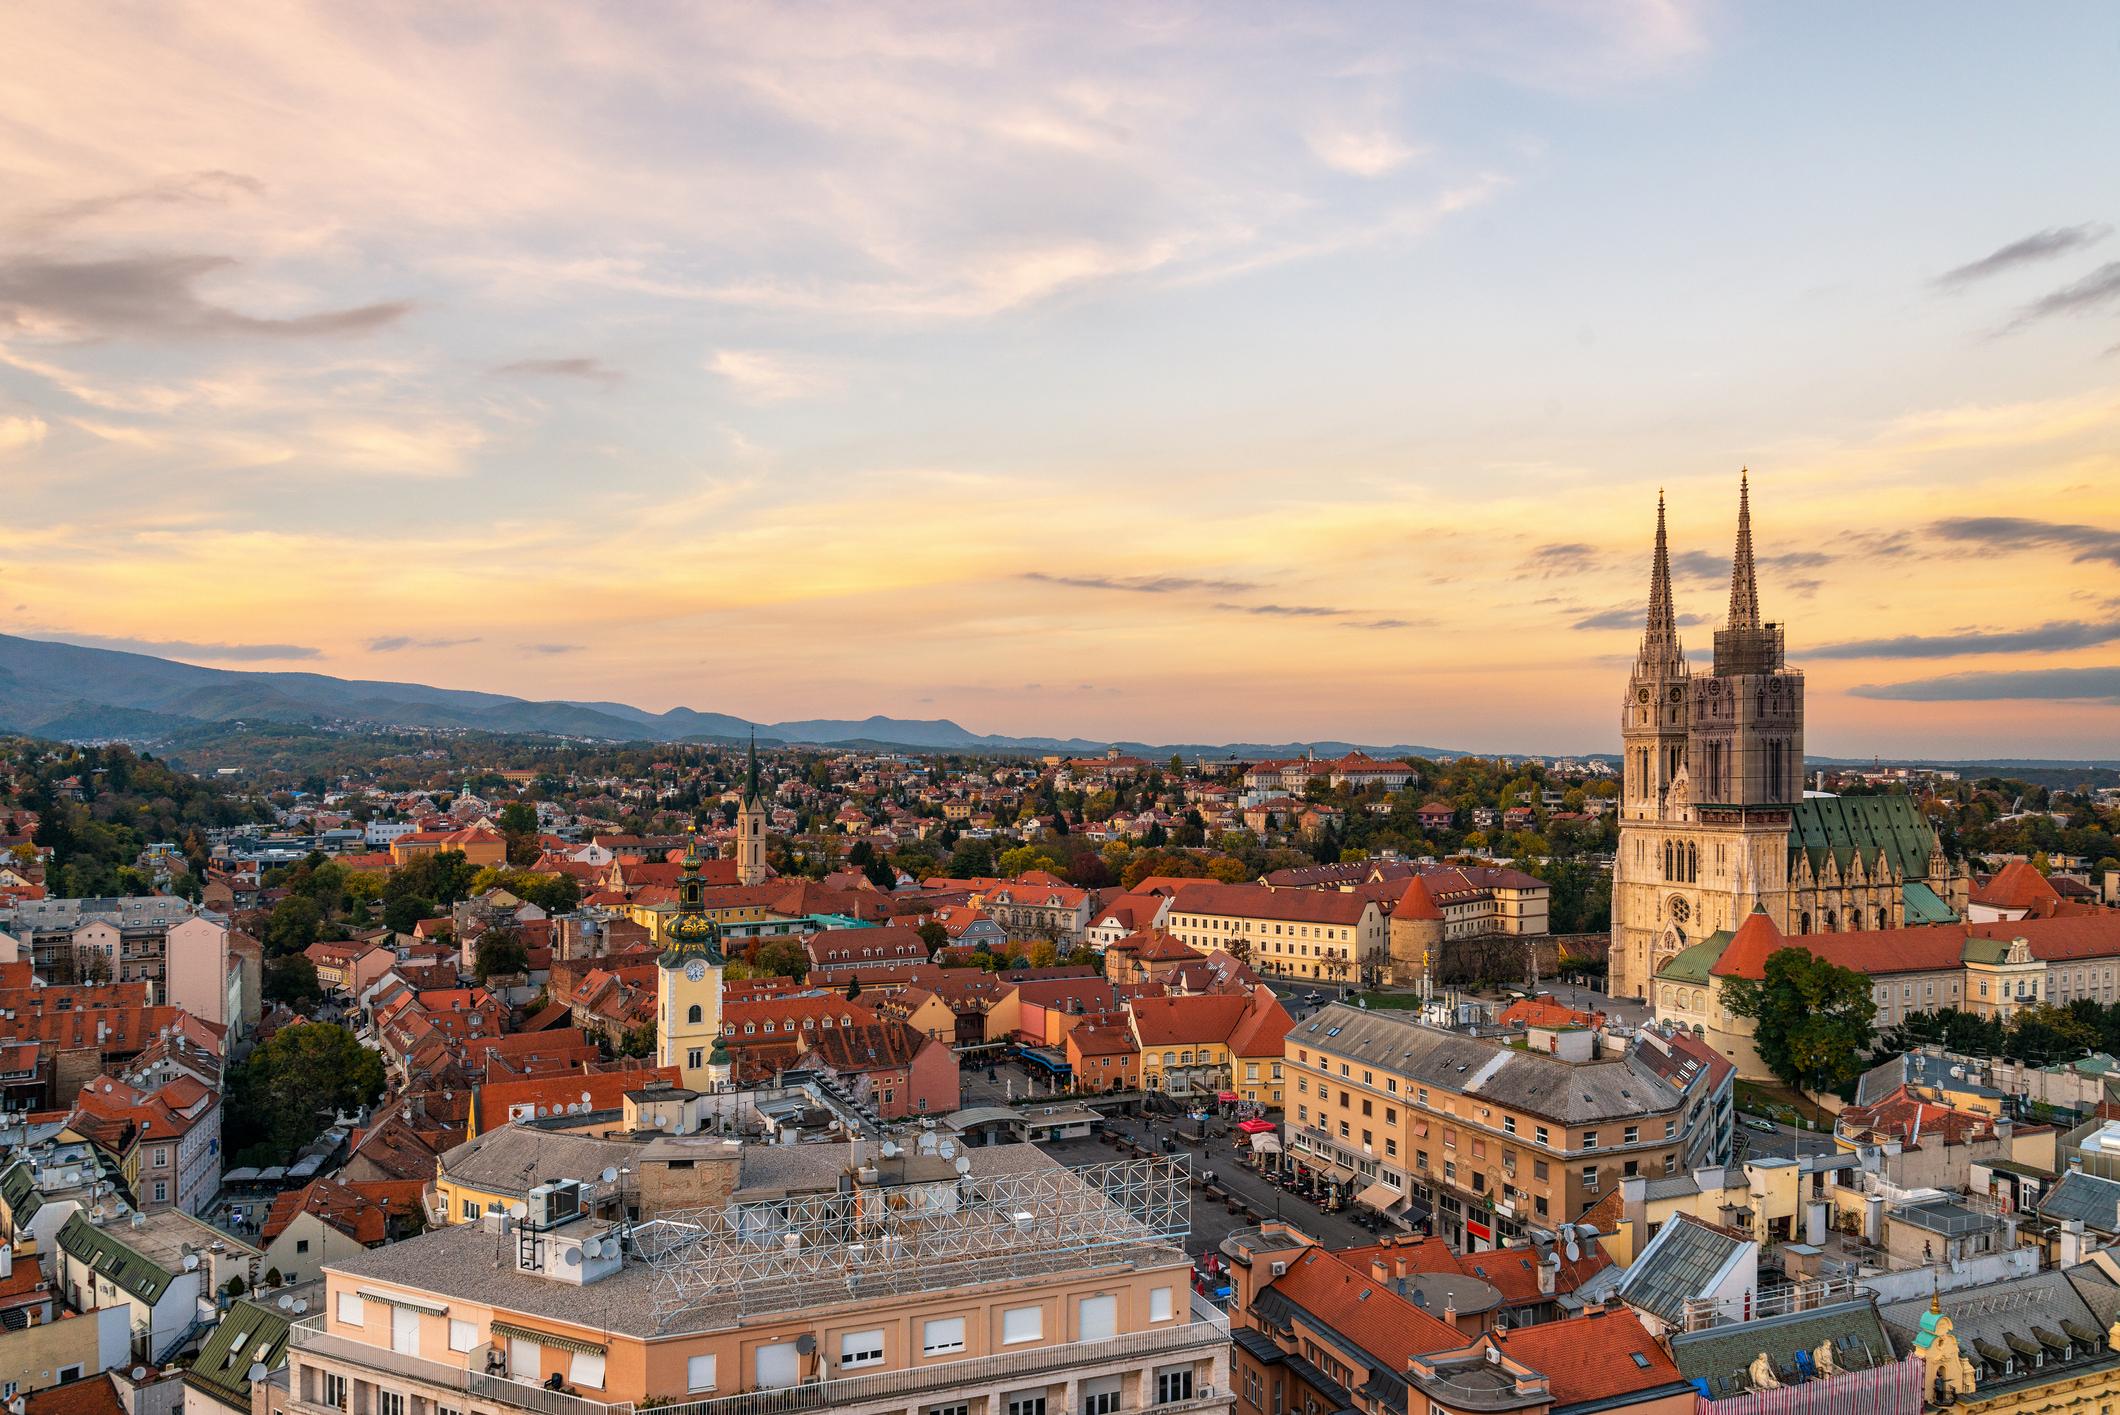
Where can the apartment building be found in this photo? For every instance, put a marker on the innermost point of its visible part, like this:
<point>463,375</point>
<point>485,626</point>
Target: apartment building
<point>1327,935</point>
<point>1491,1138</point>
<point>858,1279</point>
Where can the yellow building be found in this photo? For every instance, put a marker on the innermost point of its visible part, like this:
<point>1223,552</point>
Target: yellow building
<point>1762,1200</point>
<point>2036,1345</point>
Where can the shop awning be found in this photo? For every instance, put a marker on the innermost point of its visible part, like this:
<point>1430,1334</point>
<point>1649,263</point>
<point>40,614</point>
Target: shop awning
<point>509,1331</point>
<point>1266,1143</point>
<point>1257,1127</point>
<point>1379,1197</point>
<point>1226,1097</point>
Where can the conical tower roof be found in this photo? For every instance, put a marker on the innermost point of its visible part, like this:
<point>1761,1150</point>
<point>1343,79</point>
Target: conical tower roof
<point>1660,648</point>
<point>1744,579</point>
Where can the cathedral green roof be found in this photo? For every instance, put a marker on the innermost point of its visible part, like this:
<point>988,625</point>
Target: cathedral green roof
<point>1925,905</point>
<point>1873,827</point>
<point>1691,965</point>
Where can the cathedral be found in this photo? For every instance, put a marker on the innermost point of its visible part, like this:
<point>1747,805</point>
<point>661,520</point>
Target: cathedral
<point>1714,819</point>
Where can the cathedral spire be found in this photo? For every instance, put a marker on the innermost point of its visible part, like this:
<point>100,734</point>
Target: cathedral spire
<point>750,780</point>
<point>1663,623</point>
<point>1744,582</point>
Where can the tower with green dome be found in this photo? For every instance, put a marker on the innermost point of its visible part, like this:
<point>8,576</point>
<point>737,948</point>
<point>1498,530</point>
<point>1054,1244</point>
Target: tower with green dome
<point>688,984</point>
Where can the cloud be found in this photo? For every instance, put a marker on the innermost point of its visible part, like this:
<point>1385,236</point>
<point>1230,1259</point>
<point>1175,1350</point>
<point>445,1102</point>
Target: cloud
<point>1707,567</point>
<point>1631,616</point>
<point>1361,152</point>
<point>1292,611</point>
<point>185,648</point>
<point>153,296</point>
<point>551,648</point>
<point>1141,584</point>
<point>2045,638</point>
<point>1562,558</point>
<point>2043,245</point>
<point>394,643</point>
<point>1380,624</point>
<point>185,189</point>
<point>2089,543</point>
<point>2081,684</point>
<point>19,433</point>
<point>765,377</point>
<point>593,370</point>
<point>2099,288</point>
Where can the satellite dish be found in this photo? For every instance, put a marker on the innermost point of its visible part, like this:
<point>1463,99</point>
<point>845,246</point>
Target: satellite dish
<point>191,1262</point>
<point>947,1149</point>
<point>257,1371</point>
<point>139,1373</point>
<point>964,1164</point>
<point>610,1175</point>
<point>574,1257</point>
<point>806,1344</point>
<point>287,1304</point>
<point>518,1211</point>
<point>890,1149</point>
<point>301,1305</point>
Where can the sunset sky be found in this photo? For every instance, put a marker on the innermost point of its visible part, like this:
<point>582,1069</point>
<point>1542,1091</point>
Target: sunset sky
<point>1192,372</point>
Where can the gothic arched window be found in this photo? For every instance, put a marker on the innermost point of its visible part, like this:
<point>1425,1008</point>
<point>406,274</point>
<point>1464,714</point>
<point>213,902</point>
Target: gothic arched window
<point>1803,922</point>
<point>1884,920</point>
<point>1832,922</point>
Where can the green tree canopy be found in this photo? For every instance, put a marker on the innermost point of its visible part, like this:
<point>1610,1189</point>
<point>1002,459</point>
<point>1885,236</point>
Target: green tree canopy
<point>292,979</point>
<point>288,1090</point>
<point>1811,1018</point>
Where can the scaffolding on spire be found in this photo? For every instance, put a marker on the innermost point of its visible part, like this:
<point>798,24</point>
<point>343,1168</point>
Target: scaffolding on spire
<point>1744,580</point>
<point>1747,644</point>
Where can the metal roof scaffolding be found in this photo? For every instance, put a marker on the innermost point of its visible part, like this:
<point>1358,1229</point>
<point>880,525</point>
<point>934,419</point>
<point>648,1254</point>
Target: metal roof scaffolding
<point>870,1239</point>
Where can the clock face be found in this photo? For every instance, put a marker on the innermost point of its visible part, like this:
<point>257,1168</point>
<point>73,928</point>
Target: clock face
<point>695,970</point>
<point>1641,695</point>
<point>1677,692</point>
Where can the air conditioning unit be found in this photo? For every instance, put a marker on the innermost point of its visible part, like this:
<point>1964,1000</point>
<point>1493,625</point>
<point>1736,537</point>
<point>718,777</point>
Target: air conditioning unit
<point>1207,1392</point>
<point>1279,1268</point>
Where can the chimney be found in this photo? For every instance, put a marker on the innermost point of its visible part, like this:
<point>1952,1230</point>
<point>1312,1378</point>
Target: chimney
<point>1549,1269</point>
<point>2072,1242</point>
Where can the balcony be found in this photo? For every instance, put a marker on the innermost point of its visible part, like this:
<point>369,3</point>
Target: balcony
<point>471,1378</point>
<point>1208,1327</point>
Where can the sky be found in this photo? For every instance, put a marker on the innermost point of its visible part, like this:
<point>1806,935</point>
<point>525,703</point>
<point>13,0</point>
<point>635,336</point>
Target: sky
<point>1165,372</point>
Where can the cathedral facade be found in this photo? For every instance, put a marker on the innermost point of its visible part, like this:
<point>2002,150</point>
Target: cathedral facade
<point>1713,816</point>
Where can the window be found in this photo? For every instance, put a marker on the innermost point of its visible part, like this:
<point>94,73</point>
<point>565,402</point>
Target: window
<point>1160,1304</point>
<point>390,1402</point>
<point>1025,1402</point>
<point>1021,1324</point>
<point>462,1335</point>
<point>699,1373</point>
<point>1097,1318</point>
<point>860,1348</point>
<point>1173,1384</point>
<point>692,1016</point>
<point>695,1058</point>
<point>961,1407</point>
<point>1509,1124</point>
<point>587,1370</point>
<point>1670,1129</point>
<point>161,1192</point>
<point>1633,1135</point>
<point>941,1335</point>
<point>1539,1134</point>
<point>1589,1176</point>
<point>776,1366</point>
<point>334,1391</point>
<point>470,1210</point>
<point>1100,1395</point>
<point>405,1331</point>
<point>1589,1139</point>
<point>350,1314</point>
<point>301,1245</point>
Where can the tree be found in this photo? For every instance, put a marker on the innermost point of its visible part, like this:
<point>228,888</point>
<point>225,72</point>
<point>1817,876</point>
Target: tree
<point>293,924</point>
<point>499,953</point>
<point>291,978</point>
<point>405,910</point>
<point>290,1089</point>
<point>638,1040</point>
<point>1811,1018</point>
<point>972,859</point>
<point>2042,1034</point>
<point>781,957</point>
<point>934,935</point>
<point>853,989</point>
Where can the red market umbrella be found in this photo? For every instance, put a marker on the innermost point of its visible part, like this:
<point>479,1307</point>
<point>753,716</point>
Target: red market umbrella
<point>1256,1127</point>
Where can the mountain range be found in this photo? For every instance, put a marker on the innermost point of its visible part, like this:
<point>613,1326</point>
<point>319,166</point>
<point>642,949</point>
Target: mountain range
<point>60,690</point>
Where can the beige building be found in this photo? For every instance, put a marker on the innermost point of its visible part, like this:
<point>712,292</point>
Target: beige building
<point>1327,935</point>
<point>995,1282</point>
<point>1493,1138</point>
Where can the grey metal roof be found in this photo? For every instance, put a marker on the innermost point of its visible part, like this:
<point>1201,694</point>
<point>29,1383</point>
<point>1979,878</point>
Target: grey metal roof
<point>1988,1317</point>
<point>1574,1093</point>
<point>513,1159</point>
<point>1720,1354</point>
<point>1685,1259</point>
<point>2087,1197</point>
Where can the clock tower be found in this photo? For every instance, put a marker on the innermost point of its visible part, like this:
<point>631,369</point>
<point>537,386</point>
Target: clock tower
<point>688,985</point>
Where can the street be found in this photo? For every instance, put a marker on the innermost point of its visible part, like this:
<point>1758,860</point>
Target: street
<point>1786,1141</point>
<point>1211,1219</point>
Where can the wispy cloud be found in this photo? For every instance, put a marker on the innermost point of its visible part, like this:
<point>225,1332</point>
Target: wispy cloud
<point>17,433</point>
<point>1288,611</point>
<point>2041,245</point>
<point>154,296</point>
<point>550,648</point>
<point>187,649</point>
<point>2044,638</point>
<point>2094,291</point>
<point>2083,684</point>
<point>2085,543</point>
<point>1628,617</point>
<point>1141,584</point>
<point>589,369</point>
<point>763,376</point>
<point>397,643</point>
<point>1563,558</point>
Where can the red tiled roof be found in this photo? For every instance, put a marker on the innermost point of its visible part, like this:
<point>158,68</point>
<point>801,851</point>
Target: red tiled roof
<point>1755,941</point>
<point>1537,1012</point>
<point>1596,1356</point>
<point>2017,885</point>
<point>1418,902</point>
<point>1383,1324</point>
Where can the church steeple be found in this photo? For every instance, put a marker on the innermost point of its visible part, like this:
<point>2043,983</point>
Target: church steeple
<point>750,777</point>
<point>751,816</point>
<point>1744,580</point>
<point>1660,631</point>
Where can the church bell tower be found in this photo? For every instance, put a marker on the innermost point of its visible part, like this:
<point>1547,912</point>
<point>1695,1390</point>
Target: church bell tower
<point>688,985</point>
<point>1653,718</point>
<point>751,826</point>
